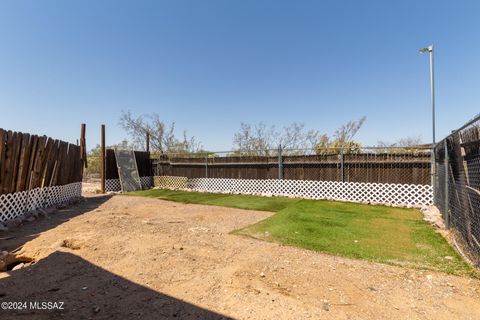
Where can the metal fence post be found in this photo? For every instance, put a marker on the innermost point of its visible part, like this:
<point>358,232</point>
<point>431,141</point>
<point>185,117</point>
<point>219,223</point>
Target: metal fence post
<point>446,217</point>
<point>433,169</point>
<point>280,163</point>
<point>342,165</point>
<point>206,166</point>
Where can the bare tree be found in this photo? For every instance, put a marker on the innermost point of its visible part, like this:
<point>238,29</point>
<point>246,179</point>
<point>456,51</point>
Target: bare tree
<point>260,139</point>
<point>342,140</point>
<point>162,135</point>
<point>411,143</point>
<point>345,134</point>
<point>255,140</point>
<point>295,136</point>
<point>403,142</point>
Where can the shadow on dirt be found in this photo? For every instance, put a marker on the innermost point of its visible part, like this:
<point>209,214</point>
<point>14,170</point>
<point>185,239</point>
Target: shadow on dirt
<point>88,292</point>
<point>17,237</point>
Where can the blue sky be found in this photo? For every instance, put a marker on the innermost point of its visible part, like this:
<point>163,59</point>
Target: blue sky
<point>207,65</point>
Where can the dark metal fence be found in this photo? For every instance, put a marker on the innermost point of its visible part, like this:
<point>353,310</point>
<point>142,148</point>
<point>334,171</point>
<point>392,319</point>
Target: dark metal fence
<point>144,164</point>
<point>457,183</point>
<point>376,165</point>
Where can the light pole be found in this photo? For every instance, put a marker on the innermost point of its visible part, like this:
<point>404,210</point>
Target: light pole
<point>429,49</point>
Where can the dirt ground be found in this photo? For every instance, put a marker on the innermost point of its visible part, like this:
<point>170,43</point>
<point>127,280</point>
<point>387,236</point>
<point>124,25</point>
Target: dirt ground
<point>120,257</point>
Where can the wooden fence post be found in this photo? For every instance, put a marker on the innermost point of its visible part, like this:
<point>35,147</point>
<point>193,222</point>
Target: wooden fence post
<point>147,142</point>
<point>104,163</point>
<point>83,151</point>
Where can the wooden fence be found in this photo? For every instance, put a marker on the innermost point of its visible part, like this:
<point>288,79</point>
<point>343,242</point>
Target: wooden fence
<point>398,168</point>
<point>394,167</point>
<point>29,161</point>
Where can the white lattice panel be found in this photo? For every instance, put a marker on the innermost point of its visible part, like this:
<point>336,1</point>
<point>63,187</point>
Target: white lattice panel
<point>377,193</point>
<point>171,182</point>
<point>113,185</point>
<point>147,182</point>
<point>13,205</point>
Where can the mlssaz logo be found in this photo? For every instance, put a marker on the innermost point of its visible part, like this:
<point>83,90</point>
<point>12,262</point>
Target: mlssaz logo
<point>47,305</point>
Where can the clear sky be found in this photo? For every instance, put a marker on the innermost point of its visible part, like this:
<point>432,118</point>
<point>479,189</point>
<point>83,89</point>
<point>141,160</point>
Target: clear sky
<point>207,65</point>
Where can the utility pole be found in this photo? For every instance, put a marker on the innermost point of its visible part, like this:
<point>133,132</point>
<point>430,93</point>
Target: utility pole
<point>429,50</point>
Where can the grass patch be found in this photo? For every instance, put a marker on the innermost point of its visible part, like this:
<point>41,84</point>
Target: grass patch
<point>383,234</point>
<point>219,199</point>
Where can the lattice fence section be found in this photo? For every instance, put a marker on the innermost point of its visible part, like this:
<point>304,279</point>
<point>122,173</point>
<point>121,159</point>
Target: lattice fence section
<point>13,205</point>
<point>171,182</point>
<point>113,185</point>
<point>147,182</point>
<point>375,193</point>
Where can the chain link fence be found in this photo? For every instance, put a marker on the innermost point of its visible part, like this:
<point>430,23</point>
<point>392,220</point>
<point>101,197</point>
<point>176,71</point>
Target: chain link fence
<point>457,184</point>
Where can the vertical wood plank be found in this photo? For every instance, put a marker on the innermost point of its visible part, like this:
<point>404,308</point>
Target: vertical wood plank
<point>45,161</point>
<point>17,145</point>
<point>31,162</point>
<point>3,147</point>
<point>35,181</point>
<point>23,162</point>
<point>49,169</point>
<point>7,169</point>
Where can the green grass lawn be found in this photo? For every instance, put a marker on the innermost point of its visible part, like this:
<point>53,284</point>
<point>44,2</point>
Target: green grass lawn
<point>376,233</point>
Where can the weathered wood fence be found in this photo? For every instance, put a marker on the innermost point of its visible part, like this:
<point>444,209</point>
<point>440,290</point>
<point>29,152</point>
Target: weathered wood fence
<point>29,161</point>
<point>397,168</point>
<point>401,179</point>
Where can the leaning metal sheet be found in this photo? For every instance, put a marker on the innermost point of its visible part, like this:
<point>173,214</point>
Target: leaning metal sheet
<point>127,170</point>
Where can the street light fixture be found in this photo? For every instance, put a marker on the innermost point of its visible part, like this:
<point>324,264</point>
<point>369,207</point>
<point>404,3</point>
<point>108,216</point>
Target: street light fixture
<point>429,50</point>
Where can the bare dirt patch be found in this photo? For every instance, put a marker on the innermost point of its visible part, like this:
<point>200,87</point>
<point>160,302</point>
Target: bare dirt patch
<point>128,257</point>
<point>91,186</point>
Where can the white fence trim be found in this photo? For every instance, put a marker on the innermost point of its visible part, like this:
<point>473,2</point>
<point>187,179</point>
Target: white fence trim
<point>374,193</point>
<point>114,185</point>
<point>414,195</point>
<point>13,205</point>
